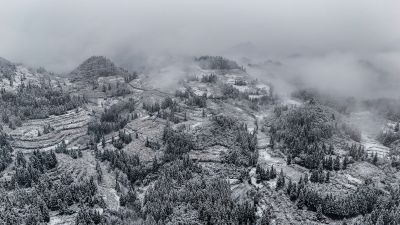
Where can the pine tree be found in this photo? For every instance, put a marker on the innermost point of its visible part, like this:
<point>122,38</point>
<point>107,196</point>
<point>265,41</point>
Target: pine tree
<point>80,154</point>
<point>331,149</point>
<point>289,187</point>
<point>327,178</point>
<point>280,183</point>
<point>20,159</point>
<point>301,181</point>
<point>266,217</point>
<point>306,178</point>
<point>380,221</point>
<point>324,148</point>
<point>272,142</point>
<point>320,174</point>
<point>320,216</point>
<point>117,186</point>
<point>155,164</point>
<point>103,142</point>
<point>314,176</point>
<point>289,159</point>
<point>272,172</point>
<point>99,172</point>
<point>345,162</point>
<point>397,127</point>
<point>150,220</point>
<point>44,210</point>
<point>63,207</point>
<point>293,192</point>
<point>336,164</point>
<point>375,159</point>
<point>330,163</point>
<point>301,199</point>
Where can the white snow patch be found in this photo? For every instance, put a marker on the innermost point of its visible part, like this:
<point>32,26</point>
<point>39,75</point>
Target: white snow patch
<point>251,97</point>
<point>265,155</point>
<point>239,109</point>
<point>241,88</point>
<point>263,87</point>
<point>196,124</point>
<point>199,91</point>
<point>251,129</point>
<point>233,181</point>
<point>291,102</point>
<point>353,179</point>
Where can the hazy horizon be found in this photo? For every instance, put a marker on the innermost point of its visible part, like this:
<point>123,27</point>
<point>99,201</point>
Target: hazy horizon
<point>353,44</point>
<point>60,34</point>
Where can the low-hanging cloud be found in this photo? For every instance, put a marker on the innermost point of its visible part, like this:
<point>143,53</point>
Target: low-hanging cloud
<point>60,34</point>
<point>344,74</point>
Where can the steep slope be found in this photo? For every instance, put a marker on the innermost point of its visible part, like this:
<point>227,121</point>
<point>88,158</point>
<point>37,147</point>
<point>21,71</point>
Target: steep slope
<point>7,69</point>
<point>208,151</point>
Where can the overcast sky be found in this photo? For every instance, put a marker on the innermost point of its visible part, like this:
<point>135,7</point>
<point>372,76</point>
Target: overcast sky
<point>59,34</point>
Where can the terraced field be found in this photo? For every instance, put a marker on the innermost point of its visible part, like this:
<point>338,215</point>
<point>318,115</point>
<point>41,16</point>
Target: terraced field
<point>370,126</point>
<point>219,148</point>
<point>70,127</point>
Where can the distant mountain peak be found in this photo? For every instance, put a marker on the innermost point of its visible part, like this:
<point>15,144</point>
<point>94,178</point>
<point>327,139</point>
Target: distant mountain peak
<point>97,66</point>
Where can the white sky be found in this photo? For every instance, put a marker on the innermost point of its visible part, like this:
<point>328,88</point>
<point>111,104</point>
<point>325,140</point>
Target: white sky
<point>59,34</point>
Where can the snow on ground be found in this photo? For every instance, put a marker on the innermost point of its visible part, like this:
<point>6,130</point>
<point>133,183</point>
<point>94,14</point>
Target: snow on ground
<point>110,197</point>
<point>199,91</point>
<point>292,171</point>
<point>290,102</point>
<point>241,88</point>
<point>365,170</point>
<point>262,140</point>
<point>110,79</point>
<point>370,126</point>
<point>100,102</point>
<point>372,146</point>
<point>239,191</point>
<point>141,191</point>
<point>233,181</point>
<point>62,220</point>
<point>21,74</point>
<point>209,154</point>
<point>252,97</point>
<point>353,179</point>
<point>232,78</point>
<point>196,124</point>
<point>253,178</point>
<point>263,87</point>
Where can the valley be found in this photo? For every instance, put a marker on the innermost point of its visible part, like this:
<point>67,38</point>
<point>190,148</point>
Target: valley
<point>218,147</point>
